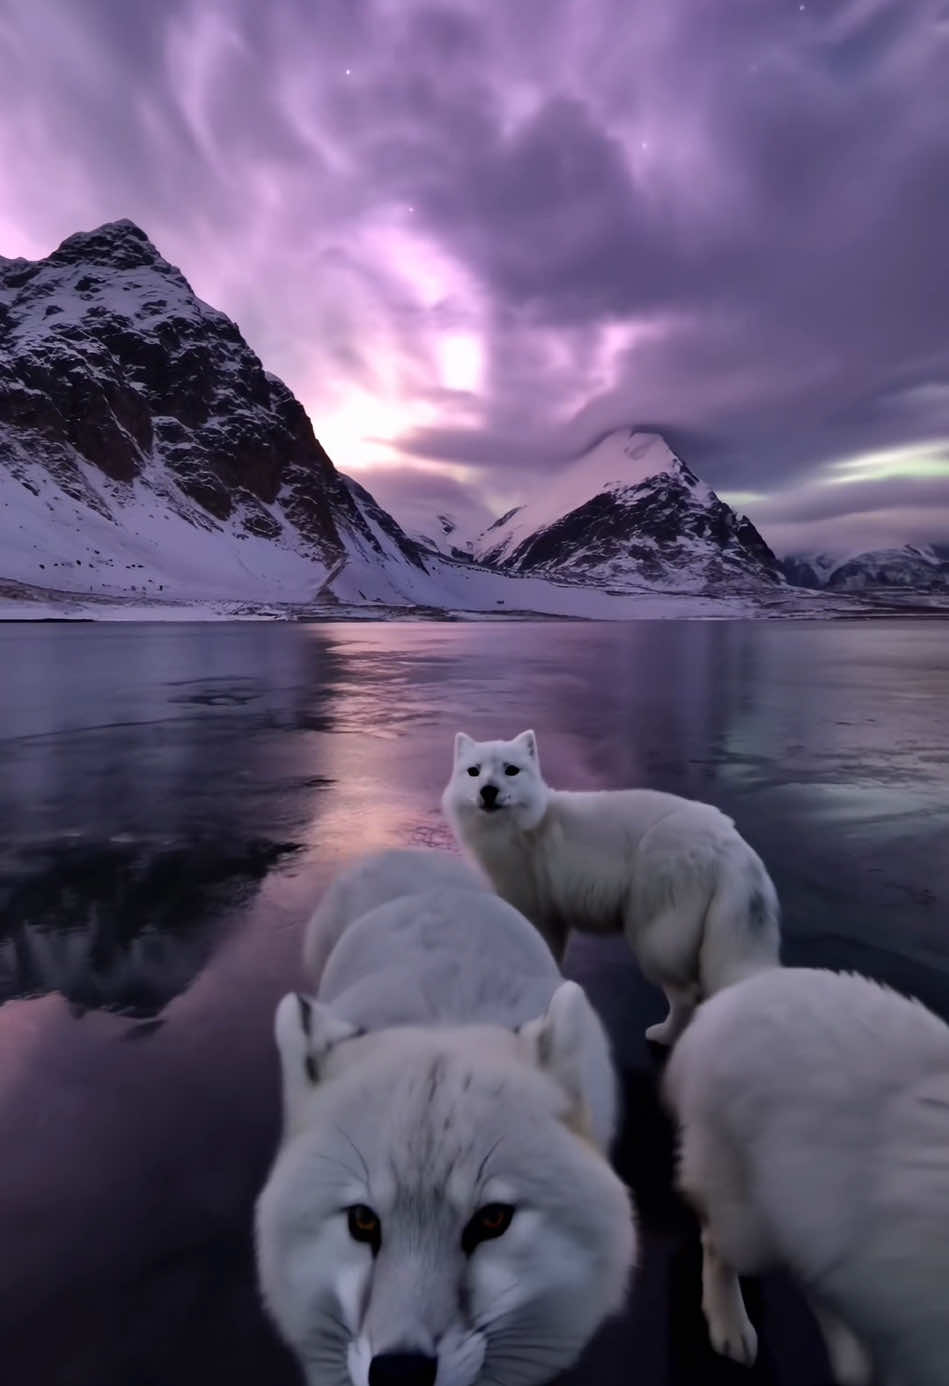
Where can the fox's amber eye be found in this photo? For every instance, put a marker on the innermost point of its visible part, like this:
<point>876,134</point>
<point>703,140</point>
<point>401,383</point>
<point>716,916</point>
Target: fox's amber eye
<point>474,770</point>
<point>489,1222</point>
<point>364,1226</point>
<point>494,1218</point>
<point>512,769</point>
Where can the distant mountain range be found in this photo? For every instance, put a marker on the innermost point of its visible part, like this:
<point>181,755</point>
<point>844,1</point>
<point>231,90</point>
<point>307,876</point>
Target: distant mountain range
<point>146,454</point>
<point>922,568</point>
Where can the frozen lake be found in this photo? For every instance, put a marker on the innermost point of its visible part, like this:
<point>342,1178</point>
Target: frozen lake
<point>172,800</point>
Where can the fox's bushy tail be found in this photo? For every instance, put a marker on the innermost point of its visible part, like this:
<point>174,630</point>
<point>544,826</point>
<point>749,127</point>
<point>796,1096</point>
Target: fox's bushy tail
<point>742,929</point>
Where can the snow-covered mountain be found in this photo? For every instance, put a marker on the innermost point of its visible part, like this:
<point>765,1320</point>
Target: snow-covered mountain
<point>147,460</point>
<point>145,450</point>
<point>916,567</point>
<point>629,514</point>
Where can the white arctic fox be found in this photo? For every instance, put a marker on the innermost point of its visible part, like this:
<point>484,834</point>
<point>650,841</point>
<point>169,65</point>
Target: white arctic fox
<point>814,1119</point>
<point>441,1208</point>
<point>693,899</point>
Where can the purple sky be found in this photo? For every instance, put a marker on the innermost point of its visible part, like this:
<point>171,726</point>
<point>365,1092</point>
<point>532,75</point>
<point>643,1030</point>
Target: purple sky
<point>472,236</point>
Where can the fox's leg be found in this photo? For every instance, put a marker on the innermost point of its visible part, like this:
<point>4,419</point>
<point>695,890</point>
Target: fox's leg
<point>682,1003</point>
<point>710,1177</point>
<point>730,1330</point>
<point>849,1360</point>
<point>666,943</point>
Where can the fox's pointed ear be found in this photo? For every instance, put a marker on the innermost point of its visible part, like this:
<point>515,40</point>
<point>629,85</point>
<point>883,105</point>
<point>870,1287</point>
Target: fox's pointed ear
<point>561,1043</point>
<point>463,745</point>
<point>527,741</point>
<point>305,1032</point>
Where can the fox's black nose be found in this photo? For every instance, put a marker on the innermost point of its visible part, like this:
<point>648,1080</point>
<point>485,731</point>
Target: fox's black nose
<point>403,1369</point>
<point>489,793</point>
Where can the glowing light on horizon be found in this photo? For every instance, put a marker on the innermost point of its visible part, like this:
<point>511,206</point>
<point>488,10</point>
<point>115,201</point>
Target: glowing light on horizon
<point>915,461</point>
<point>360,427</point>
<point>739,500</point>
<point>455,471</point>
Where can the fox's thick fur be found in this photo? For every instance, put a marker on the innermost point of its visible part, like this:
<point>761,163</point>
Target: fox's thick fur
<point>372,881</point>
<point>693,899</point>
<point>814,1118</point>
<point>444,1071</point>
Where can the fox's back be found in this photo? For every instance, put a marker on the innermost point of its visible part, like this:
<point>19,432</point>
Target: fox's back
<point>592,853</point>
<point>444,954</point>
<point>835,1093</point>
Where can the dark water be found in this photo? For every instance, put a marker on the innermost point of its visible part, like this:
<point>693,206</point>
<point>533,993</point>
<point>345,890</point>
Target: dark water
<point>172,800</point>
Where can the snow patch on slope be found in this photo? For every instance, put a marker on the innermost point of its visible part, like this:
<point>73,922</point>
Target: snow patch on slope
<point>54,539</point>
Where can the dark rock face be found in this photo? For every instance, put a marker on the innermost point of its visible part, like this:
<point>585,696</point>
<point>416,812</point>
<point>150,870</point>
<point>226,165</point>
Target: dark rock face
<point>109,358</point>
<point>802,572</point>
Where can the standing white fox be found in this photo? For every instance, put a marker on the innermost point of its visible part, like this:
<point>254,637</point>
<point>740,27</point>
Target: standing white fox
<point>674,875</point>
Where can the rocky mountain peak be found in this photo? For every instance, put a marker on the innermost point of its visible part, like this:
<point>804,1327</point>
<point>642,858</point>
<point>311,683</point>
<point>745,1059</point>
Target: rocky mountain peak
<point>125,398</point>
<point>88,260</point>
<point>115,245</point>
<point>630,512</point>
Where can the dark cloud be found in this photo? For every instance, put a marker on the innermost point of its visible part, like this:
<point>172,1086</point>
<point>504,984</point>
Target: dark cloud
<point>487,234</point>
<point>549,217</point>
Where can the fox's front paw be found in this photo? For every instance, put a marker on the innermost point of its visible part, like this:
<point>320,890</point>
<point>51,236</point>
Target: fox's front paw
<point>661,1033</point>
<point>667,1031</point>
<point>732,1334</point>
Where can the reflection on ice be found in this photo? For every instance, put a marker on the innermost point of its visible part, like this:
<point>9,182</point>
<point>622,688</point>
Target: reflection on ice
<point>121,925</point>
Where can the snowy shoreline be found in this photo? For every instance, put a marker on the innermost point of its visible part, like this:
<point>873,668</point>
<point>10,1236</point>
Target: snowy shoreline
<point>23,603</point>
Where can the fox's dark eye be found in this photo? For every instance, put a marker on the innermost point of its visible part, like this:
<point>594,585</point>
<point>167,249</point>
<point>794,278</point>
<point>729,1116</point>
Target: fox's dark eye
<point>489,1222</point>
<point>364,1226</point>
<point>512,769</point>
<point>474,770</point>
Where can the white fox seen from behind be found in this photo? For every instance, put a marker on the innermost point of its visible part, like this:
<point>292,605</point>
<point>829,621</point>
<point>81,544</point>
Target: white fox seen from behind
<point>693,899</point>
<point>814,1118</point>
